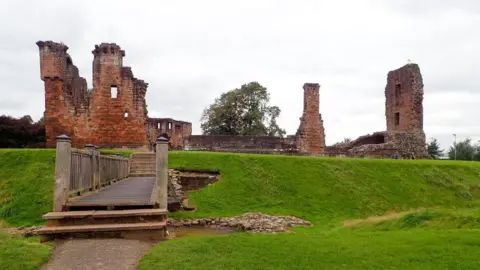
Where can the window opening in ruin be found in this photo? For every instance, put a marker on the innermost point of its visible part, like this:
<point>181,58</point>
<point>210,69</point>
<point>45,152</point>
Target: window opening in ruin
<point>113,91</point>
<point>398,92</point>
<point>125,115</point>
<point>158,126</point>
<point>169,125</point>
<point>397,119</point>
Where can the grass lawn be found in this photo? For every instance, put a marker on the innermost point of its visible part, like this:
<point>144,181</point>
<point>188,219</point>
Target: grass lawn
<point>441,232</point>
<point>328,192</point>
<point>312,249</point>
<point>21,253</point>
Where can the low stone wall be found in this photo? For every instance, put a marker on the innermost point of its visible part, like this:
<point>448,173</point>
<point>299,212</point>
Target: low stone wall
<point>406,144</point>
<point>242,144</point>
<point>251,222</point>
<point>383,150</point>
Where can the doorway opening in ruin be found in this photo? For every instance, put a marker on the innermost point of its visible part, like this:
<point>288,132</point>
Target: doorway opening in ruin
<point>113,91</point>
<point>397,119</point>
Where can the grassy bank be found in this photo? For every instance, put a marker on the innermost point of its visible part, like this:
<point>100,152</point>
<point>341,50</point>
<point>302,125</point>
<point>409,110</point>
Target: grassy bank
<point>26,185</point>
<point>21,253</point>
<point>440,231</point>
<point>329,192</point>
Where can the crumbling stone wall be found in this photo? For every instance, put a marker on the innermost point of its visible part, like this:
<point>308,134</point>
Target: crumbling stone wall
<point>404,111</point>
<point>241,144</point>
<point>404,119</point>
<point>93,116</point>
<point>176,131</point>
<point>311,132</point>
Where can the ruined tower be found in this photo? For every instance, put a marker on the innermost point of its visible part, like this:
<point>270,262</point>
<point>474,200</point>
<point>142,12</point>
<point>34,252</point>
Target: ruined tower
<point>112,114</point>
<point>311,132</point>
<point>404,110</point>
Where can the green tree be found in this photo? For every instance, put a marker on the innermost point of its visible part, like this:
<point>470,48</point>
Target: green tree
<point>242,111</point>
<point>433,148</point>
<point>466,150</point>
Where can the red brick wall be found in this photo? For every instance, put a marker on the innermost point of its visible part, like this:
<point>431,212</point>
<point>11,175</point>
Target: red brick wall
<point>404,95</point>
<point>93,117</point>
<point>177,133</point>
<point>311,131</point>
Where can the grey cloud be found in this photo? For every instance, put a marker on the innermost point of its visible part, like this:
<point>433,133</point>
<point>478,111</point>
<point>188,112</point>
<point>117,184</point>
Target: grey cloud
<point>190,52</point>
<point>432,7</point>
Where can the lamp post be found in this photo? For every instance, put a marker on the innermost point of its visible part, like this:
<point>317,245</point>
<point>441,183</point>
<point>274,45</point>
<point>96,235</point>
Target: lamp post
<point>455,144</point>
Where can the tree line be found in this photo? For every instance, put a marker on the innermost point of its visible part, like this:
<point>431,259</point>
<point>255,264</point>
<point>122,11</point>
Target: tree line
<point>21,132</point>
<point>462,150</point>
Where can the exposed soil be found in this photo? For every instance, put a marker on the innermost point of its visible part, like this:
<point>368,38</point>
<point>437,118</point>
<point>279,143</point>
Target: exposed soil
<point>99,254</point>
<point>376,219</point>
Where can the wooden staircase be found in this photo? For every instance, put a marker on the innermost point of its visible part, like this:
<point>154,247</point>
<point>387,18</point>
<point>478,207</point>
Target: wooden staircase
<point>136,223</point>
<point>133,205</point>
<point>142,164</point>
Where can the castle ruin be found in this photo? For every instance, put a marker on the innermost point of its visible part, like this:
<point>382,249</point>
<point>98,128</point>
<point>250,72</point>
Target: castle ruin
<point>311,132</point>
<point>404,121</point>
<point>111,115</point>
<point>114,113</point>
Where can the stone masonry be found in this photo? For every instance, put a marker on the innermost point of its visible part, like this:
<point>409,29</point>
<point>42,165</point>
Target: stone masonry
<point>404,99</point>
<point>112,114</point>
<point>311,132</point>
<point>176,131</point>
<point>404,120</point>
<point>404,111</point>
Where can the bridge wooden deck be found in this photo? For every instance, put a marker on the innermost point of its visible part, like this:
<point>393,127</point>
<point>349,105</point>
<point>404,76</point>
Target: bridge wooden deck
<point>133,191</point>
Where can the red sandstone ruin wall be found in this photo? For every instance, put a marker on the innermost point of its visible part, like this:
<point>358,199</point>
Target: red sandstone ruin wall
<point>404,95</point>
<point>175,131</point>
<point>404,120</point>
<point>311,131</point>
<point>92,117</point>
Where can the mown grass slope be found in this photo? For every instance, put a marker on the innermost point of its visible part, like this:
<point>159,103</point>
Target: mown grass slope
<point>323,191</point>
<point>20,253</point>
<point>328,192</point>
<point>26,185</point>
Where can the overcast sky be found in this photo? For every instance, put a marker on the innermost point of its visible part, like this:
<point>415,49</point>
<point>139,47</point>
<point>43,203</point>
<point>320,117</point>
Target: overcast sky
<point>191,51</point>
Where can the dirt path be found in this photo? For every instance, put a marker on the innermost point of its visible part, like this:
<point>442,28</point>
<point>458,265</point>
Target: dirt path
<point>98,254</point>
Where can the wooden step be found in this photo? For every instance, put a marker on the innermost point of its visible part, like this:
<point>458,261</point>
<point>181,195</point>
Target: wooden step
<point>143,171</point>
<point>133,174</point>
<point>103,228</point>
<point>143,167</point>
<point>105,213</point>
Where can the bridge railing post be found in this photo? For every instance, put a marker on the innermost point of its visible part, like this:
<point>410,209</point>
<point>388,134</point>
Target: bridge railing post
<point>63,159</point>
<point>96,171</point>
<point>90,148</point>
<point>161,150</point>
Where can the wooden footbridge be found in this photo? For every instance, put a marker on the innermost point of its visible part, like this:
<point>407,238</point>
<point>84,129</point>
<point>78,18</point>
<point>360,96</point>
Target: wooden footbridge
<point>108,194</point>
